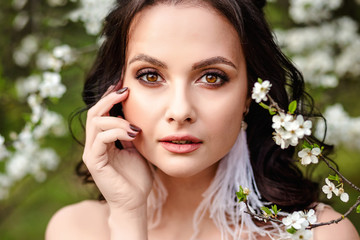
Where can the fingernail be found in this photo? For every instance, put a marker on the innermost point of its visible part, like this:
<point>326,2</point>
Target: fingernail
<point>133,135</point>
<point>135,128</point>
<point>120,91</point>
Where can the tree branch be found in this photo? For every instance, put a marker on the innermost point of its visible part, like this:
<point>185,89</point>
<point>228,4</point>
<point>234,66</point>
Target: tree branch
<point>261,217</point>
<point>340,175</point>
<point>357,203</point>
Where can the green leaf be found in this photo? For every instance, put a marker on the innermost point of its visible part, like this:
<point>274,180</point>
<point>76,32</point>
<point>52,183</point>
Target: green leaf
<point>334,178</point>
<point>292,107</point>
<point>259,80</point>
<point>291,230</point>
<point>264,106</point>
<point>267,210</point>
<point>272,111</point>
<point>358,209</point>
<point>241,195</point>
<point>306,144</point>
<point>275,209</point>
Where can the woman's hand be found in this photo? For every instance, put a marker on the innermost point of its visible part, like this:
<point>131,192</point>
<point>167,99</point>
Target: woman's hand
<point>123,176</point>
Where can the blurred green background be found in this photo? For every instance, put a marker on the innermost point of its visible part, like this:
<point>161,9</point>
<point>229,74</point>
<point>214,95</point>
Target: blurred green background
<point>25,214</point>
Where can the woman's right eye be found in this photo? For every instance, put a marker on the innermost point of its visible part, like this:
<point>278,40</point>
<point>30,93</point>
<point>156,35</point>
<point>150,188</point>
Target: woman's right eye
<point>149,77</point>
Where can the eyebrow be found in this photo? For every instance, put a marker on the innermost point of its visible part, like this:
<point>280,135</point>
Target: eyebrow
<point>146,58</point>
<point>212,61</point>
<point>198,65</point>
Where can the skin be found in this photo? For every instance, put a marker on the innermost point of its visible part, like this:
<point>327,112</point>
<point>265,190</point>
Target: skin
<point>182,100</point>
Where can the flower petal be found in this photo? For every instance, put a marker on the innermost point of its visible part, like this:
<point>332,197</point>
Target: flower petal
<point>344,197</point>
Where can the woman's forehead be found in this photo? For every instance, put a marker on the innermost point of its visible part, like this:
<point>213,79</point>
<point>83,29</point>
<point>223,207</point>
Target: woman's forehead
<point>199,29</point>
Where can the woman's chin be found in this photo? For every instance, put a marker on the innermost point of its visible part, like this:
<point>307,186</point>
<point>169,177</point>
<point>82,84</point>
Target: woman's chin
<point>183,170</point>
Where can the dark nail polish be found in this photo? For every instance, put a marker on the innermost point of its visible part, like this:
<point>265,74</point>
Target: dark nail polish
<point>135,128</point>
<point>120,91</point>
<point>133,135</point>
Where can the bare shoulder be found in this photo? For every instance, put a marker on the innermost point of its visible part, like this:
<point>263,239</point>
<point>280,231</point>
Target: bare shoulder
<point>84,220</point>
<point>343,230</point>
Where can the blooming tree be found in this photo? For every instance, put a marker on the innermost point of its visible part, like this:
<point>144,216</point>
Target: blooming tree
<point>324,45</point>
<point>43,59</point>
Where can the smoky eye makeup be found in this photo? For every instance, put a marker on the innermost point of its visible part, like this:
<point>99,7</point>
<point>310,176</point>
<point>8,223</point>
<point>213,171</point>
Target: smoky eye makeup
<point>208,78</point>
<point>213,78</point>
<point>149,77</point>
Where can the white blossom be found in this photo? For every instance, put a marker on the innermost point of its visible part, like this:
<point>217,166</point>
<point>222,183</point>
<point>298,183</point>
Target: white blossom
<point>260,90</point>
<point>304,11</point>
<point>325,53</point>
<point>288,130</point>
<point>280,140</point>
<point>302,234</point>
<point>310,216</point>
<point>51,85</point>
<point>21,20</point>
<point>329,188</point>
<point>28,46</point>
<point>19,4</point>
<point>294,220</point>
<point>16,167</point>
<point>24,86</point>
<point>280,119</point>
<point>3,151</point>
<point>304,127</point>
<point>341,128</point>
<point>21,58</point>
<point>46,61</point>
<point>65,53</point>
<point>300,220</point>
<point>91,13</point>
<point>50,122</point>
<point>308,155</point>
<point>290,134</point>
<point>48,159</point>
<point>343,195</point>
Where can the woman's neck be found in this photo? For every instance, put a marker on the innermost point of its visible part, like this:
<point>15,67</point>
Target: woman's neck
<point>184,197</point>
<point>185,194</point>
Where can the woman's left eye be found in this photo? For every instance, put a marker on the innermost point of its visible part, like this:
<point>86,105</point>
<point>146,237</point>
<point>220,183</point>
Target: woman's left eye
<point>213,79</point>
<point>150,77</point>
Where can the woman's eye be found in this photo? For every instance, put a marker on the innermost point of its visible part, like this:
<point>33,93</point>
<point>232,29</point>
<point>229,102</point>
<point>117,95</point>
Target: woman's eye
<point>149,77</point>
<point>213,80</point>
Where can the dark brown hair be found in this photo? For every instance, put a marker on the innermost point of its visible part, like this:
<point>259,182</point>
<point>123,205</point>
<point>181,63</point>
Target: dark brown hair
<point>277,176</point>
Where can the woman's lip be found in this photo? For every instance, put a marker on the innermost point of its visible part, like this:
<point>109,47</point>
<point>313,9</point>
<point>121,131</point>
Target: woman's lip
<point>193,143</point>
<point>171,138</point>
<point>180,148</point>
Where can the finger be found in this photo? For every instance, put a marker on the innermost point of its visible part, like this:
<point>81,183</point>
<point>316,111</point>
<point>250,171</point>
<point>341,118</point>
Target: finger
<point>103,106</point>
<point>99,124</point>
<point>103,139</point>
<point>105,123</point>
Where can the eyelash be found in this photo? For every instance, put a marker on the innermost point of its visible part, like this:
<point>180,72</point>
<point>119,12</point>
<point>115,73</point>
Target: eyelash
<point>142,73</point>
<point>222,78</point>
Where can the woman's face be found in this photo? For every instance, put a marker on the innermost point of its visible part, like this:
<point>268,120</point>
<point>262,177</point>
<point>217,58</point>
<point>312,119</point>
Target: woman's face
<point>187,78</point>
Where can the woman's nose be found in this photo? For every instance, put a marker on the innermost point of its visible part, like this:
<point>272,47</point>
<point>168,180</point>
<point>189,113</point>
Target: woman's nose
<point>180,108</point>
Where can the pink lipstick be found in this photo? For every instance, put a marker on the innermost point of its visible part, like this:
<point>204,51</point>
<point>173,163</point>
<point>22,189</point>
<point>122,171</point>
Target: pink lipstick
<point>180,143</point>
